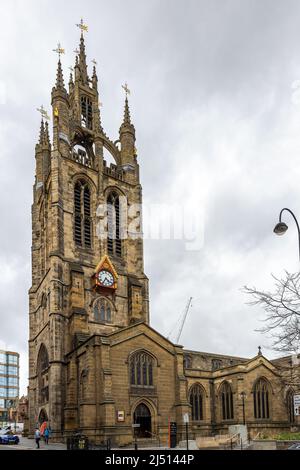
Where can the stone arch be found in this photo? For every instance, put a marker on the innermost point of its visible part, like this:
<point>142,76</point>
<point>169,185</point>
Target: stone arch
<point>83,176</point>
<point>43,416</point>
<point>112,148</point>
<point>148,426</point>
<point>142,350</point>
<point>262,377</point>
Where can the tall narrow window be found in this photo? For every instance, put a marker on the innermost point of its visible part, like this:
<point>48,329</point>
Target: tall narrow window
<point>86,112</point>
<point>261,400</point>
<point>141,369</point>
<point>114,245</point>
<point>196,401</point>
<point>82,217</point>
<point>227,401</point>
<point>42,374</point>
<point>290,405</point>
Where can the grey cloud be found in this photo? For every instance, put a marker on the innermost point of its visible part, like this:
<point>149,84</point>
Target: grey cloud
<point>212,105</point>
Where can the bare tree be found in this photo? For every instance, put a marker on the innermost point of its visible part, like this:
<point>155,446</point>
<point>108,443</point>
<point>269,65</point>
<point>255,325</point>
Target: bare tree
<point>282,324</point>
<point>282,306</point>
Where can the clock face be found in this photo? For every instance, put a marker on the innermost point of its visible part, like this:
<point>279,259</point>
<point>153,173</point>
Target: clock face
<point>106,278</point>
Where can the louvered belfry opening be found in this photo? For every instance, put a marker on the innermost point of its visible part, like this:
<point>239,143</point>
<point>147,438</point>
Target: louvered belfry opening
<point>86,112</point>
<point>114,242</point>
<point>82,217</point>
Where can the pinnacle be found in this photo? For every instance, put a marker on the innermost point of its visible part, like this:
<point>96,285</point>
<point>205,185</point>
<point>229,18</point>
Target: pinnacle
<point>42,132</point>
<point>126,119</point>
<point>59,76</point>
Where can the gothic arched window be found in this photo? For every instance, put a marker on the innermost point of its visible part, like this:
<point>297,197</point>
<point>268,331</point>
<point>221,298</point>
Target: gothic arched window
<point>82,217</point>
<point>141,369</point>
<point>102,311</point>
<point>261,400</point>
<point>226,401</point>
<point>290,405</point>
<point>42,374</point>
<point>197,400</point>
<point>86,112</point>
<point>114,245</point>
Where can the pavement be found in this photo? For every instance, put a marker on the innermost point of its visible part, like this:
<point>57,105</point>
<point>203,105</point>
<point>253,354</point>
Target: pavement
<point>29,444</point>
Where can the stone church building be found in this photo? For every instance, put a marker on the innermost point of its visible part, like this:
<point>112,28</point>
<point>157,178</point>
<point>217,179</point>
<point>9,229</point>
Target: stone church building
<point>95,363</point>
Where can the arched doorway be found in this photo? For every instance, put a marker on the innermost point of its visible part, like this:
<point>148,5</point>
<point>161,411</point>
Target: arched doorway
<point>142,416</point>
<point>43,416</point>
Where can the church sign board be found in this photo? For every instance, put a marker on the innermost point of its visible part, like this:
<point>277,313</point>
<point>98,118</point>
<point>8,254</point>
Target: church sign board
<point>297,405</point>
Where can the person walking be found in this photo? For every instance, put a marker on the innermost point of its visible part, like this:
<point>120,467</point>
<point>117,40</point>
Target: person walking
<point>37,436</point>
<point>46,435</point>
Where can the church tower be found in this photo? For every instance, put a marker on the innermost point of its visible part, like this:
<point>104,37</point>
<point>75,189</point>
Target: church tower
<point>87,265</point>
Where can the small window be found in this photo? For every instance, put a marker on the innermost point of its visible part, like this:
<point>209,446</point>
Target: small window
<point>102,311</point>
<point>187,361</point>
<point>216,364</point>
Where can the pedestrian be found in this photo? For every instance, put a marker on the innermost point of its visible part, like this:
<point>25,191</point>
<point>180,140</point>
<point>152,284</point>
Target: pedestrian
<point>37,436</point>
<point>46,435</point>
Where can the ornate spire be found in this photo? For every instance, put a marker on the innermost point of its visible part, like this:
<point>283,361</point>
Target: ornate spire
<point>42,132</point>
<point>127,125</point>
<point>46,133</point>
<point>59,76</point>
<point>82,61</point>
<point>126,119</point>
<point>44,139</point>
<point>259,351</point>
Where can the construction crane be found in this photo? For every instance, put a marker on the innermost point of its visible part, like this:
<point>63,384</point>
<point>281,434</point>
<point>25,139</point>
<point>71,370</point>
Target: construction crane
<point>186,311</point>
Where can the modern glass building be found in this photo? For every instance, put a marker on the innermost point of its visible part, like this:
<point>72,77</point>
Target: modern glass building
<point>9,383</point>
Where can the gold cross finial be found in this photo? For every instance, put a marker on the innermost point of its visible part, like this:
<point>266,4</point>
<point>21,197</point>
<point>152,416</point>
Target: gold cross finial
<point>94,62</point>
<point>43,112</point>
<point>82,26</point>
<point>59,50</point>
<point>127,91</point>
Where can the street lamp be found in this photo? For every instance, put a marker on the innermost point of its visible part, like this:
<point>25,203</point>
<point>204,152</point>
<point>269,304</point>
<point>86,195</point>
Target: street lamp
<point>280,228</point>
<point>243,396</point>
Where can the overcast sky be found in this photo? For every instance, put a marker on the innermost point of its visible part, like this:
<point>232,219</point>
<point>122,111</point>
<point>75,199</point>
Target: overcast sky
<point>215,99</point>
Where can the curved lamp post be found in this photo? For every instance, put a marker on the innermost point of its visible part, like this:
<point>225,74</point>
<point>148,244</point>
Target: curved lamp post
<point>280,228</point>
